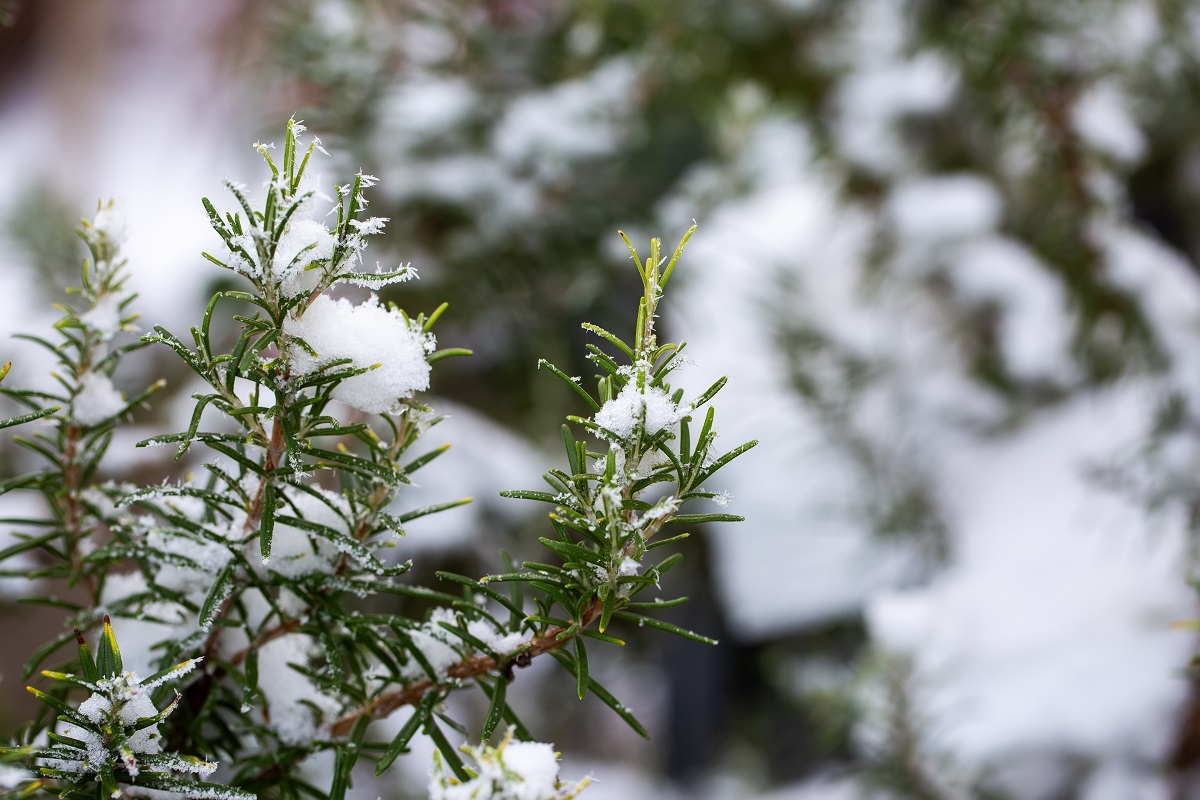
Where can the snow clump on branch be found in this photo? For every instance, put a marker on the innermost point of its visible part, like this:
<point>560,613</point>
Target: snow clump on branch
<point>370,336</point>
<point>621,414</point>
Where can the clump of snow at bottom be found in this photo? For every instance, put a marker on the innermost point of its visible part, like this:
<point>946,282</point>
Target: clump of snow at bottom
<point>512,771</point>
<point>367,334</point>
<point>97,399</point>
<point>621,414</point>
<point>121,703</point>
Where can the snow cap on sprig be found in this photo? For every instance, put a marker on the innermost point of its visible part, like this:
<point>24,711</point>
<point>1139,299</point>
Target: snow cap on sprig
<point>288,251</point>
<point>511,771</point>
<point>634,404</point>
<point>113,734</point>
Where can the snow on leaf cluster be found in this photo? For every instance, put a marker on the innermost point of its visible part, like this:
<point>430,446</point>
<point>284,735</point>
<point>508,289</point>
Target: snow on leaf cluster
<point>293,258</point>
<point>639,407</point>
<point>253,564</point>
<point>112,737</point>
<point>510,771</point>
<point>612,504</point>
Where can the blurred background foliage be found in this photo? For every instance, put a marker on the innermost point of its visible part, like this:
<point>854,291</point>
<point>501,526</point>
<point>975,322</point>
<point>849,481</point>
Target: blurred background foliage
<point>943,236</point>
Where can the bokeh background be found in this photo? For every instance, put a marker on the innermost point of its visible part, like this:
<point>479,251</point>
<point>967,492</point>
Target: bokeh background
<point>947,252</point>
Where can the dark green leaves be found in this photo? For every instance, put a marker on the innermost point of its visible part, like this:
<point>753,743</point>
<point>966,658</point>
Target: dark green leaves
<point>581,668</point>
<point>496,706</point>
<point>108,654</point>
<point>345,758</point>
<point>658,624</point>
<point>88,664</point>
<point>266,526</point>
<point>607,697</point>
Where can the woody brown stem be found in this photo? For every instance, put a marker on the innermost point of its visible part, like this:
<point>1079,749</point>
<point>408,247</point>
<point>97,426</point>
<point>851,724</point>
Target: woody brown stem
<point>411,694</point>
<point>472,667</point>
<point>70,504</point>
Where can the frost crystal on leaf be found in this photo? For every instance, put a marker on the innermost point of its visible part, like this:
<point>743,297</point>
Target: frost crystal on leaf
<point>629,566</point>
<point>668,505</point>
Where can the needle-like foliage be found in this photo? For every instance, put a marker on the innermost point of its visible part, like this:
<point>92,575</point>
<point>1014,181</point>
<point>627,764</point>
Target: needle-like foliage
<point>249,578</point>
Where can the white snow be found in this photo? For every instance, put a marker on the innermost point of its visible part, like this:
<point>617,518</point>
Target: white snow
<point>512,771</point>
<point>210,557</point>
<point>139,706</point>
<point>427,106</point>
<point>632,405</point>
<point>104,318</point>
<point>1102,118</point>
<point>946,207</point>
<point>1126,782</point>
<point>498,641</point>
<point>1036,326</point>
<point>537,765</point>
<point>96,755</point>
<point>803,555</point>
<point>367,334</point>
<point>1054,592</point>
<point>19,505</point>
<point>11,777</point>
<point>1048,630</point>
<point>295,551</point>
<point>110,220</point>
<point>97,399</point>
<point>569,121</point>
<point>138,635</point>
<point>119,702</point>
<point>874,97</point>
<point>484,459</point>
<point>96,708</point>
<point>1048,627</point>
<point>292,257</point>
<point>290,695</point>
<point>435,644</point>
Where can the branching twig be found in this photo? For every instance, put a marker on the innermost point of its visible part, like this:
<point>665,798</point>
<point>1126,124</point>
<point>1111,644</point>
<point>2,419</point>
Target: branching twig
<point>385,704</point>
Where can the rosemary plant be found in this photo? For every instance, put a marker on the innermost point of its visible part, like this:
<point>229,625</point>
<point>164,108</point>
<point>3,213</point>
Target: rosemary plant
<point>249,578</point>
